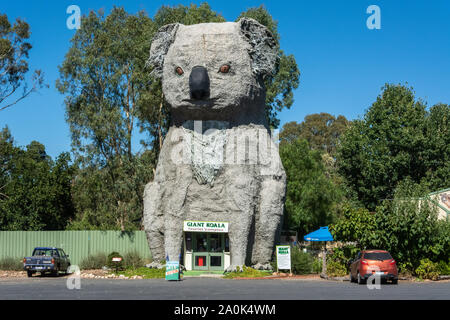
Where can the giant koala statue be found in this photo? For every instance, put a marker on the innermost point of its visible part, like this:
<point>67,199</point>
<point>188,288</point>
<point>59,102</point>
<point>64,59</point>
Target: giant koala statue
<point>218,161</point>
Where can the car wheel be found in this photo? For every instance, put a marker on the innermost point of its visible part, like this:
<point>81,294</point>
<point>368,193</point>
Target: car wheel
<point>361,280</point>
<point>351,277</point>
<point>394,281</point>
<point>29,274</point>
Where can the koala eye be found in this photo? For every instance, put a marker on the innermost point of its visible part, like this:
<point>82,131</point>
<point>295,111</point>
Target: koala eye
<point>179,71</point>
<point>225,68</point>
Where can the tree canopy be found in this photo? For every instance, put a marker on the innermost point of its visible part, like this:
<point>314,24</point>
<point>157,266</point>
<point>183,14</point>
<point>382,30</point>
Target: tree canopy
<point>397,139</point>
<point>321,130</point>
<point>35,191</point>
<point>14,53</point>
<point>310,194</point>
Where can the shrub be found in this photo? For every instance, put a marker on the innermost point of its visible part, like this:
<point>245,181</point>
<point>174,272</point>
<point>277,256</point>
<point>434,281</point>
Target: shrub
<point>427,270</point>
<point>301,262</point>
<point>406,227</point>
<point>133,259</point>
<point>94,261</point>
<point>11,264</point>
<point>336,268</point>
<point>405,269</point>
<point>444,267</point>
<point>115,265</point>
<point>317,265</point>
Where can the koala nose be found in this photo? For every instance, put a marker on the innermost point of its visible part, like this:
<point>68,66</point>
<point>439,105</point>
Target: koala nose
<point>199,83</point>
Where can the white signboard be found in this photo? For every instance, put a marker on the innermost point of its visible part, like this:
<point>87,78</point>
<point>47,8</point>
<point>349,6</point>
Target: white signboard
<point>284,257</point>
<point>205,226</point>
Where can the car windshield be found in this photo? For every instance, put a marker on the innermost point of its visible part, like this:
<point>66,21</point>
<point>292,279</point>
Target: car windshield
<point>377,256</point>
<point>44,252</point>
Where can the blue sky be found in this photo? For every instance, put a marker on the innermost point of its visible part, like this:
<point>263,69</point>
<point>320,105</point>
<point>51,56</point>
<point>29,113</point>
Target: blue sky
<point>343,63</point>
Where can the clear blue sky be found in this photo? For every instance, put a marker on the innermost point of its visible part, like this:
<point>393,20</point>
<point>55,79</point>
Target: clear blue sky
<point>343,63</point>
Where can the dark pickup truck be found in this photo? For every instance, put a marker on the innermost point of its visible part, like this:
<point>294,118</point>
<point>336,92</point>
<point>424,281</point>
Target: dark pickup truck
<point>46,260</point>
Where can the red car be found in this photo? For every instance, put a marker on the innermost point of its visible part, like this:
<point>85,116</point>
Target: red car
<point>373,262</point>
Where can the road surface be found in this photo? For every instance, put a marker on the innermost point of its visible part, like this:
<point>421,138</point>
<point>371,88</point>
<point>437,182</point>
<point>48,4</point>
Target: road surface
<point>216,289</point>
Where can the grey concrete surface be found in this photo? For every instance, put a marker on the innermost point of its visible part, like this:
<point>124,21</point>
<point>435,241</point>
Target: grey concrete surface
<point>217,289</point>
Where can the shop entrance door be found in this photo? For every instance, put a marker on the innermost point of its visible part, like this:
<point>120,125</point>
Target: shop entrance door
<point>208,251</point>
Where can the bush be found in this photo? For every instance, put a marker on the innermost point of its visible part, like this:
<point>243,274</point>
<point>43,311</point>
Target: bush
<point>405,269</point>
<point>336,268</point>
<point>444,267</point>
<point>115,265</point>
<point>94,261</point>
<point>133,259</point>
<point>344,254</point>
<point>427,270</point>
<point>301,262</point>
<point>317,265</point>
<point>11,264</point>
<point>406,227</point>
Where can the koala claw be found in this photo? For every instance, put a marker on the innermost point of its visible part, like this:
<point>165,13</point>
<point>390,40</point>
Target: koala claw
<point>234,268</point>
<point>260,266</point>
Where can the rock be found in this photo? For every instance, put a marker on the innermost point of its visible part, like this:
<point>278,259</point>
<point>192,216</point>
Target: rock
<point>218,161</point>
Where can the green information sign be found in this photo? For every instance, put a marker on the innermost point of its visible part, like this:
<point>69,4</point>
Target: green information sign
<point>283,257</point>
<point>172,270</point>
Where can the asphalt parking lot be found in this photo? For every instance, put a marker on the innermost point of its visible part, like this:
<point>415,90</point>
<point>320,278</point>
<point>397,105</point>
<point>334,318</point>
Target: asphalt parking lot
<point>216,289</point>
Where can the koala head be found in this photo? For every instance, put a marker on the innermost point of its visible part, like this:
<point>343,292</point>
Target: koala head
<point>214,71</point>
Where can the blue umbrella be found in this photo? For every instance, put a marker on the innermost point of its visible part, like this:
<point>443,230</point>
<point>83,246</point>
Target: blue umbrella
<point>322,234</point>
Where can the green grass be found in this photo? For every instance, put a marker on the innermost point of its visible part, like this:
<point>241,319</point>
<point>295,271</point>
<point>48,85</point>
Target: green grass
<point>247,273</point>
<point>200,272</point>
<point>144,272</point>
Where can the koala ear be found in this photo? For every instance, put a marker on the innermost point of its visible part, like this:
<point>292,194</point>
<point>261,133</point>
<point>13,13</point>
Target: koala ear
<point>264,48</point>
<point>162,40</point>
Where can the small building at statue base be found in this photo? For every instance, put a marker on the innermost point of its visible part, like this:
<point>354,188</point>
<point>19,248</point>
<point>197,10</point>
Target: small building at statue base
<point>206,245</point>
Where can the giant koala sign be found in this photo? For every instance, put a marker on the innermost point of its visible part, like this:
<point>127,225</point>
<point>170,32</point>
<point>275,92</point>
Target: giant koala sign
<point>218,161</point>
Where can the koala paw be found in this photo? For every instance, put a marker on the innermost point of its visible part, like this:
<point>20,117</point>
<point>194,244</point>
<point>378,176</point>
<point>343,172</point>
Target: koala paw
<point>260,266</point>
<point>234,268</point>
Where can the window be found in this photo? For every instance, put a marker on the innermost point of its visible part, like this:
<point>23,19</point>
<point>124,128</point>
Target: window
<point>377,256</point>
<point>188,237</point>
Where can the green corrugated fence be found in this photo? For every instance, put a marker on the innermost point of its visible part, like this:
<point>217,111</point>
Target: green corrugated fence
<point>77,244</point>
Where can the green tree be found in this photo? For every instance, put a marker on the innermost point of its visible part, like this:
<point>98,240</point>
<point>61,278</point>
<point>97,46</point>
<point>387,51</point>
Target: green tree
<point>396,139</point>
<point>103,76</point>
<point>310,195</point>
<point>409,229</point>
<point>35,190</point>
<point>406,226</point>
<point>321,130</point>
<point>436,154</point>
<point>356,225</point>
<point>14,51</point>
